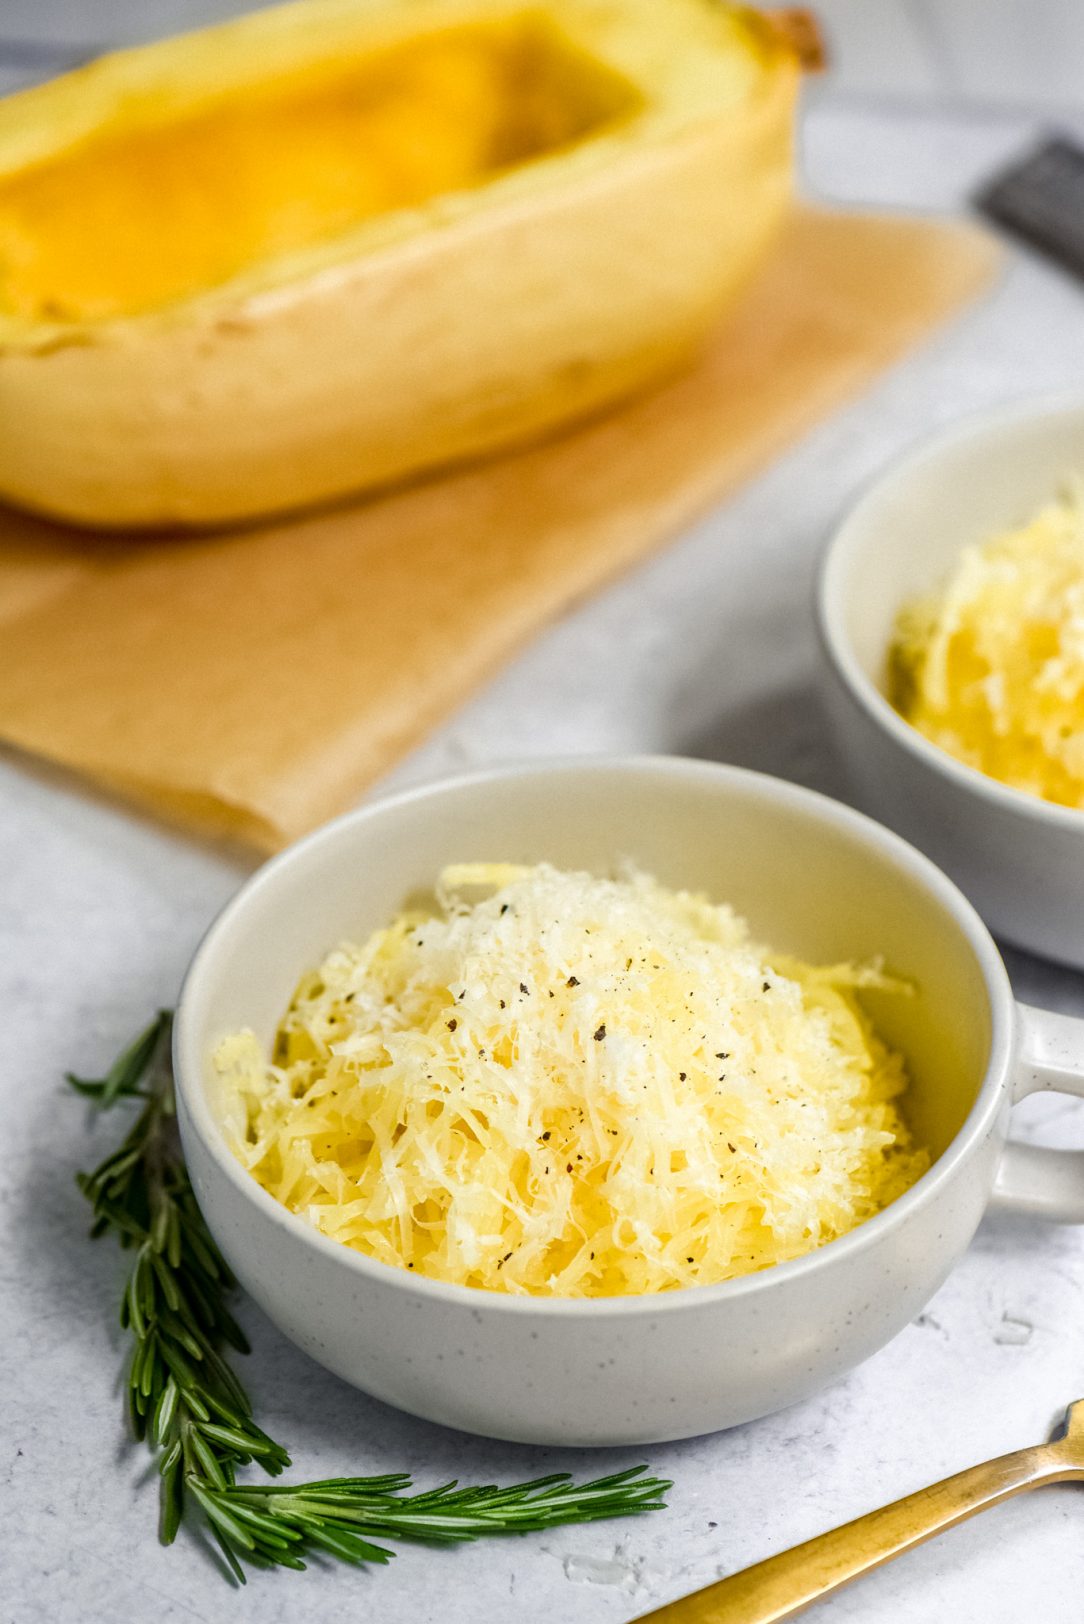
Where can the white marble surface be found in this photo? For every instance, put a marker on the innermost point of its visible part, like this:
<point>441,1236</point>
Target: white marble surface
<point>708,650</point>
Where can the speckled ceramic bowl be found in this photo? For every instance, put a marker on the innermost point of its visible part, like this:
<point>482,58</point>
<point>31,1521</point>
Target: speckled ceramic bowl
<point>813,878</point>
<point>1020,859</point>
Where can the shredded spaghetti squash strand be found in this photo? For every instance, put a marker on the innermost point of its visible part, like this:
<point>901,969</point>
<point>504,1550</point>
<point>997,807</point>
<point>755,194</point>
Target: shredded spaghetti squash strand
<point>562,1085</point>
<point>991,668</point>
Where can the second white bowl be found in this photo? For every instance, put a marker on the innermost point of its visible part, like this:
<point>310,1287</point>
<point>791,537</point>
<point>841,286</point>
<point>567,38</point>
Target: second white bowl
<point>1020,859</point>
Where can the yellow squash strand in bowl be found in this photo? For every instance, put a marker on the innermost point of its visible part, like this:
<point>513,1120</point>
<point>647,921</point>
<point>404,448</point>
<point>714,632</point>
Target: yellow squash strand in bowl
<point>991,668</point>
<point>563,1085</point>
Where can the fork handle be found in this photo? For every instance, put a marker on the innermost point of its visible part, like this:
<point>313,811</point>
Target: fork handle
<point>782,1585</point>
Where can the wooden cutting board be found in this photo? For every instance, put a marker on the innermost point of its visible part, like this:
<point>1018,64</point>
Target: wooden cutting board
<point>252,684</point>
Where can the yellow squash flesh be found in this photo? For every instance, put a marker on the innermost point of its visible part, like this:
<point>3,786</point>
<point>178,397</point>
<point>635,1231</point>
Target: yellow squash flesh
<point>331,245</point>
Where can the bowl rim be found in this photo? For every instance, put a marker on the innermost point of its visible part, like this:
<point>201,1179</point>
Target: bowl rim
<point>830,598</point>
<point>980,1119</point>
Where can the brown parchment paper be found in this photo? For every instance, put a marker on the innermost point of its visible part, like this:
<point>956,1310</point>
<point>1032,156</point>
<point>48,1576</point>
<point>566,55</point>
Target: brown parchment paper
<point>251,685</point>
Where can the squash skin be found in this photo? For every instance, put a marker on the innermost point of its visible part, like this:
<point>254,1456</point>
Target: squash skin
<point>461,337</point>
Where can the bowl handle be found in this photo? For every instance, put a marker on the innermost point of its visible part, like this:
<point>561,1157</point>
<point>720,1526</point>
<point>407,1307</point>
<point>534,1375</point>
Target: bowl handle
<point>1031,1179</point>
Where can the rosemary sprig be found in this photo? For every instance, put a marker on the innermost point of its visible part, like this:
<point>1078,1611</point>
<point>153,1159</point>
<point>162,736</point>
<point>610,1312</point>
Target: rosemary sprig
<point>185,1400</point>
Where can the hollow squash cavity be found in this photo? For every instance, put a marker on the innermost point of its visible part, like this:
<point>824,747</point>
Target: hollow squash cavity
<point>137,217</point>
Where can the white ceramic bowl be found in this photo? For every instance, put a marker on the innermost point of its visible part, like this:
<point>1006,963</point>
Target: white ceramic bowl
<point>1019,859</point>
<point>813,878</point>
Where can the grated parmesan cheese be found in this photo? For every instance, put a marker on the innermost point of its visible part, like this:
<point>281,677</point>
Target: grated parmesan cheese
<point>991,668</point>
<point>557,1084</point>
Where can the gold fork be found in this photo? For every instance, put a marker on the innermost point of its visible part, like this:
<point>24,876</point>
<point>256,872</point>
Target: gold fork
<point>783,1585</point>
